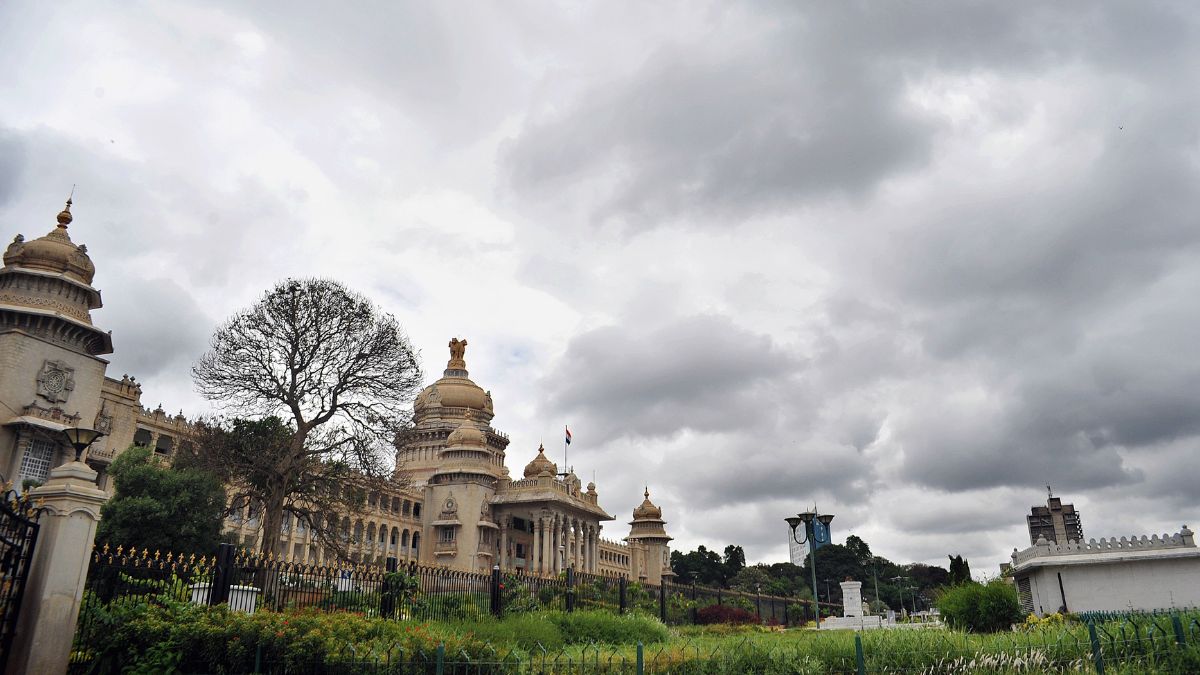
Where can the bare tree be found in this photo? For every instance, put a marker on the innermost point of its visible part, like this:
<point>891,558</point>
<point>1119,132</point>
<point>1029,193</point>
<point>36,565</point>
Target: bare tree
<point>337,372</point>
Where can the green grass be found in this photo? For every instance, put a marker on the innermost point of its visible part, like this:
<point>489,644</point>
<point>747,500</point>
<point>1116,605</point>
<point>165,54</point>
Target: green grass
<point>1139,646</point>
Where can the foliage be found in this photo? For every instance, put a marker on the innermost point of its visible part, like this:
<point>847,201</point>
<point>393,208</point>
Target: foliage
<point>163,636</point>
<point>706,567</point>
<point>980,608</point>
<point>609,628</point>
<point>399,589</point>
<point>960,570</point>
<point>140,635</point>
<point>725,614</point>
<point>159,508</point>
<point>340,373</point>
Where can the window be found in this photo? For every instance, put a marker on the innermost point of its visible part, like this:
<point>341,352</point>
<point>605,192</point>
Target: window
<point>416,510</point>
<point>35,465</point>
<point>141,438</point>
<point>164,445</point>
<point>447,533</point>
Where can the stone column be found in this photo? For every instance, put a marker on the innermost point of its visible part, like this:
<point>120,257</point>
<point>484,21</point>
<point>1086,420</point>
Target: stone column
<point>546,563</point>
<point>851,598</point>
<point>502,559</point>
<point>572,543</point>
<point>54,588</point>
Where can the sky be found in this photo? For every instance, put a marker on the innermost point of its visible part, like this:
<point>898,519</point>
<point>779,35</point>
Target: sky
<point>907,262</point>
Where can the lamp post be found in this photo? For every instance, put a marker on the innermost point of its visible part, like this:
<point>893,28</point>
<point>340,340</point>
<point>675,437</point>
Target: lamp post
<point>901,588</point>
<point>809,519</point>
<point>875,575</point>
<point>80,438</point>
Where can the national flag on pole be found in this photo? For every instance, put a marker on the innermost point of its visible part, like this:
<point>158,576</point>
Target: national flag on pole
<point>568,435</point>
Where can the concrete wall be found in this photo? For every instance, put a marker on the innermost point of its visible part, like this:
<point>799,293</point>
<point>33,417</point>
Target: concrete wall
<point>1161,583</point>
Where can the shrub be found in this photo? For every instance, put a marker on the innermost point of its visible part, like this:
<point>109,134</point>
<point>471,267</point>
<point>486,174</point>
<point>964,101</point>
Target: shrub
<point>980,608</point>
<point>527,631</point>
<point>725,614</point>
<point>609,628</point>
<point>139,635</point>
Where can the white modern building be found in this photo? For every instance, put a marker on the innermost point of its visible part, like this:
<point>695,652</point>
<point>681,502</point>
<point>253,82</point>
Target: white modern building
<point>1114,575</point>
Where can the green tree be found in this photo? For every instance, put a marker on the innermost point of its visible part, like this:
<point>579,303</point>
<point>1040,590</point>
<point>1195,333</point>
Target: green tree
<point>342,375</point>
<point>701,566</point>
<point>161,508</point>
<point>734,561</point>
<point>860,550</point>
<point>960,570</point>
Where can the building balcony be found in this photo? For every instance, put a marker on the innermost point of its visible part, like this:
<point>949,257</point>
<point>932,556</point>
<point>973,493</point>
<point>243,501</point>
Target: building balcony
<point>445,548</point>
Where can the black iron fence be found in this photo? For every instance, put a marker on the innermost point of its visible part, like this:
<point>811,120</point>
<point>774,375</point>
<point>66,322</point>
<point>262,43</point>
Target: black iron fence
<point>247,580</point>
<point>18,535</point>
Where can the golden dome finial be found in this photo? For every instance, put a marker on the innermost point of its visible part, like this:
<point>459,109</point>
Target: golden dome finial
<point>64,216</point>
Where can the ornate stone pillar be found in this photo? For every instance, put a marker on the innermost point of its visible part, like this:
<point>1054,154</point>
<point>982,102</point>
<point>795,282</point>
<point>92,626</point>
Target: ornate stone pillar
<point>580,543</point>
<point>591,549</point>
<point>502,558</point>
<point>54,588</point>
<point>572,541</point>
<point>533,559</point>
<point>547,535</point>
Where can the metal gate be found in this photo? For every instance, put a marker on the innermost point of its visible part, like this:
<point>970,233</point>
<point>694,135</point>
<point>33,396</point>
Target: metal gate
<point>18,535</point>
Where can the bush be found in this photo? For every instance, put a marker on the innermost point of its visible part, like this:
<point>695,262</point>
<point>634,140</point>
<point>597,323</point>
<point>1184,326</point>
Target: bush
<point>609,628</point>
<point>725,614</point>
<point>980,608</point>
<point>139,635</point>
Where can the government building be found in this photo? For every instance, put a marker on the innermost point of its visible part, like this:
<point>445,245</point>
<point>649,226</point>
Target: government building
<point>457,505</point>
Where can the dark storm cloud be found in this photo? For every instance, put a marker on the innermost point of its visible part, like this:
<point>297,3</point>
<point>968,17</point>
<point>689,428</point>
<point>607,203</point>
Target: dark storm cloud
<point>802,102</point>
<point>700,373</point>
<point>159,328</point>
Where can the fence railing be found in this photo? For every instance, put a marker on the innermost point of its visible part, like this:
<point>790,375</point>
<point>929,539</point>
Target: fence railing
<point>248,580</point>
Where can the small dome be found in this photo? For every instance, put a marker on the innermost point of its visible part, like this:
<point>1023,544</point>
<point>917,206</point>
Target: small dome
<point>466,435</point>
<point>647,509</point>
<point>540,465</point>
<point>53,253</point>
<point>591,488</point>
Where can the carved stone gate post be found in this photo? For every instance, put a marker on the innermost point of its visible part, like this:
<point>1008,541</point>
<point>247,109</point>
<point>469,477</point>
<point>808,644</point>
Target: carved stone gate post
<point>46,627</point>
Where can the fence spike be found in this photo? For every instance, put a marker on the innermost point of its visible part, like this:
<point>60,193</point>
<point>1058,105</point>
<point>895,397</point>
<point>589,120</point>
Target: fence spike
<point>119,549</point>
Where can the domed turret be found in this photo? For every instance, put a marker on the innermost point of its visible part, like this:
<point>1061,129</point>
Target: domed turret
<point>647,510</point>
<point>45,285</point>
<point>540,465</point>
<point>54,253</point>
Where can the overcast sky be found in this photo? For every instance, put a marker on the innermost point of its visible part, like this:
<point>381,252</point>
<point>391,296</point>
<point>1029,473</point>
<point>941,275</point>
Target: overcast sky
<point>909,261</point>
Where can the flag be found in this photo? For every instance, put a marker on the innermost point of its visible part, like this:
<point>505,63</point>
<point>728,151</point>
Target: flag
<point>568,435</point>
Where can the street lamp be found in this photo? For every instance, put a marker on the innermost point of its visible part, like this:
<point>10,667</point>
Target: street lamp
<point>809,519</point>
<point>80,438</point>
<point>900,588</point>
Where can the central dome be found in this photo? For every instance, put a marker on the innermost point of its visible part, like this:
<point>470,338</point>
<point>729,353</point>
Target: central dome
<point>455,389</point>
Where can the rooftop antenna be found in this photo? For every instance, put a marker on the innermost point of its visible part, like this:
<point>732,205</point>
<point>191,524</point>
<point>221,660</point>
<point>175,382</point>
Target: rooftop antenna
<point>1049,492</point>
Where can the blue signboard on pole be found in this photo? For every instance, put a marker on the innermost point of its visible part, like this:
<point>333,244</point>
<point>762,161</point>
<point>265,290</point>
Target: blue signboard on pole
<point>822,536</point>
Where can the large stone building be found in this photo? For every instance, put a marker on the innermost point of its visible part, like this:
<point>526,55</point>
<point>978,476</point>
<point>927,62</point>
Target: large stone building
<point>459,508</point>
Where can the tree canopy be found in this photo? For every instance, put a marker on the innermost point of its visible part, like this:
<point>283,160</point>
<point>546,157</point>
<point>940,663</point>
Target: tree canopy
<point>914,582</point>
<point>161,508</point>
<point>320,381</point>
